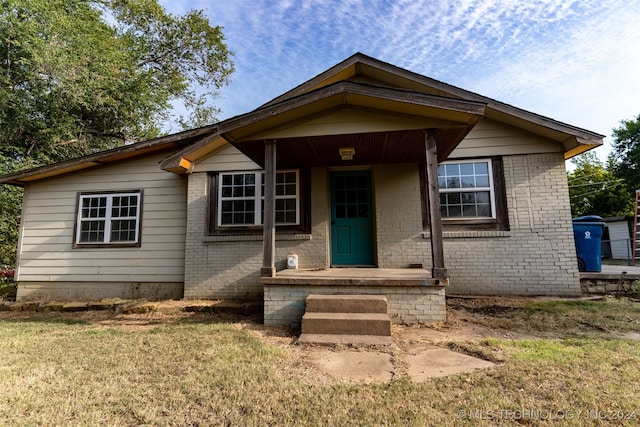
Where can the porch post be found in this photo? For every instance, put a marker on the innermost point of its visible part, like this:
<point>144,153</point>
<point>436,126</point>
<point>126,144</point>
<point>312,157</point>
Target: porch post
<point>269,227</point>
<point>438,271</point>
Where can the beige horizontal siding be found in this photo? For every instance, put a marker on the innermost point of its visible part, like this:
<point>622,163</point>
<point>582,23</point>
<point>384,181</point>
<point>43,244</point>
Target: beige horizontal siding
<point>46,252</point>
<point>89,254</point>
<point>60,266</point>
<point>228,158</point>
<point>104,276</point>
<point>347,121</point>
<point>491,138</point>
<point>90,290</point>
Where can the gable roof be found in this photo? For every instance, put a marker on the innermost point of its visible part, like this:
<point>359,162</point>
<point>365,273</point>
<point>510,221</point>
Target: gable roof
<point>357,82</point>
<point>131,151</point>
<point>362,71</point>
<point>360,67</point>
<point>453,119</point>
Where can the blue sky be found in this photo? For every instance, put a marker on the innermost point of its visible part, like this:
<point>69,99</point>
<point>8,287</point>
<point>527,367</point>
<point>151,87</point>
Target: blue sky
<point>577,61</point>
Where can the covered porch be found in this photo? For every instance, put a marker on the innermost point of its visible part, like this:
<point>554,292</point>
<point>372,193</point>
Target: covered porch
<point>346,128</point>
<point>385,127</point>
<point>352,139</point>
<point>392,128</point>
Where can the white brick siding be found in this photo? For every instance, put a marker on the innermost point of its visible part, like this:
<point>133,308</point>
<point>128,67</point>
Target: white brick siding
<point>284,305</point>
<point>229,266</point>
<point>536,256</point>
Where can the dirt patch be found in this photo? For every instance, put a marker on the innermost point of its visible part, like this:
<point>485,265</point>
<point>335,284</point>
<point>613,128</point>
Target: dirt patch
<point>420,351</point>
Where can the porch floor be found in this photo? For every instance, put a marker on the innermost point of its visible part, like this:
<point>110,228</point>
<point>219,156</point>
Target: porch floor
<point>355,277</point>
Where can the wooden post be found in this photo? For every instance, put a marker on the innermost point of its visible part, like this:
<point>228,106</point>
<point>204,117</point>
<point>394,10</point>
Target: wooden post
<point>438,271</point>
<point>269,227</point>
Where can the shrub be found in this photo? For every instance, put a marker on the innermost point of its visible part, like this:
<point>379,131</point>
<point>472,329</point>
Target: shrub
<point>8,287</point>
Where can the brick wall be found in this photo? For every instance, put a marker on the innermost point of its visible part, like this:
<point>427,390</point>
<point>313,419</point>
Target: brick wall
<point>399,217</point>
<point>229,266</point>
<point>536,256</point>
<point>284,305</point>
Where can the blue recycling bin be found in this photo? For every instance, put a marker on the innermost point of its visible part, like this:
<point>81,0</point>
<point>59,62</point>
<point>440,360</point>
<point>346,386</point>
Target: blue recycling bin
<point>587,234</point>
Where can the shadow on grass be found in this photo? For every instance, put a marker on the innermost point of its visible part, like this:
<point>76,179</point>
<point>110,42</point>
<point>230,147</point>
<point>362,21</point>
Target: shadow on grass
<point>108,318</point>
<point>42,318</point>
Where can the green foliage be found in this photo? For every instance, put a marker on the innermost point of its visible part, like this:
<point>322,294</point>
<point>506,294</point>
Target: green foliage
<point>595,189</point>
<point>10,204</point>
<point>8,287</point>
<point>80,76</point>
<point>626,146</point>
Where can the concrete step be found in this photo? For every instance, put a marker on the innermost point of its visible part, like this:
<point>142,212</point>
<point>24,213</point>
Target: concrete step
<point>336,339</point>
<point>347,323</point>
<point>346,304</point>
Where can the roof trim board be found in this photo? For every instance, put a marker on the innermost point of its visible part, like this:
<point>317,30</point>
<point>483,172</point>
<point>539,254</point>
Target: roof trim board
<point>363,64</point>
<point>173,141</point>
<point>446,112</point>
<point>356,81</point>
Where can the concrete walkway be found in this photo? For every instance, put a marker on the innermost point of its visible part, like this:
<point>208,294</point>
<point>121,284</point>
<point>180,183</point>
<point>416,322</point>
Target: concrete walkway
<point>372,366</point>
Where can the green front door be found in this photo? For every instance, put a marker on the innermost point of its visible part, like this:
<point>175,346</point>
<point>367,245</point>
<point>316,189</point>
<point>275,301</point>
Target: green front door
<point>351,219</point>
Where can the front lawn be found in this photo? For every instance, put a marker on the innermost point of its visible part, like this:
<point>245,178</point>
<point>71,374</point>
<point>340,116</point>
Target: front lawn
<point>90,369</point>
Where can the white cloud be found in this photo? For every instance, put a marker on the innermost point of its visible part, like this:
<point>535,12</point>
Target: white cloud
<point>586,76</point>
<point>573,60</point>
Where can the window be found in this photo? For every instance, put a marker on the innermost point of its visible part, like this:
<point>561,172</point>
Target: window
<point>472,195</point>
<point>466,190</point>
<point>108,219</point>
<point>240,199</point>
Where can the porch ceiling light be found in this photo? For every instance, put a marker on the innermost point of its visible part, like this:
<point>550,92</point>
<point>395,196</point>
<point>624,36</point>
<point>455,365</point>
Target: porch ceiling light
<point>347,153</point>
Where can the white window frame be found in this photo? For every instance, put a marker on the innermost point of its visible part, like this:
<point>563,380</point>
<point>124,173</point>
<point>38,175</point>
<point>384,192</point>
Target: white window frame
<point>490,188</point>
<point>108,218</point>
<point>258,197</point>
<point>255,197</point>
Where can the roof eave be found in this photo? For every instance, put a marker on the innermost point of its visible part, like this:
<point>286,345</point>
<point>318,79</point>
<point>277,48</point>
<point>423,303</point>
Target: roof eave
<point>576,146</point>
<point>244,126</point>
<point>366,64</point>
<point>163,143</point>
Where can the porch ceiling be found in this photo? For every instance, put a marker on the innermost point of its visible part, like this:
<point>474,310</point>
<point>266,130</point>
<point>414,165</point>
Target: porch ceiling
<point>370,148</point>
<point>451,119</point>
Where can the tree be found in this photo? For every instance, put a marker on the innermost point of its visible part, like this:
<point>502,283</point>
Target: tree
<point>626,150</point>
<point>80,76</point>
<point>10,199</point>
<point>594,189</point>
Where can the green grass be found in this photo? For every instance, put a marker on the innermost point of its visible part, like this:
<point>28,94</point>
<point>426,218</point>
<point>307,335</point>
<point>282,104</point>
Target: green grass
<point>62,369</point>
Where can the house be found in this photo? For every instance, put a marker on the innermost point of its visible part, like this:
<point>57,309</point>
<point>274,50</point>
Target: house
<point>412,186</point>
